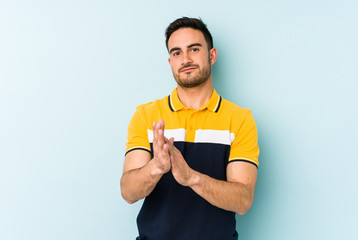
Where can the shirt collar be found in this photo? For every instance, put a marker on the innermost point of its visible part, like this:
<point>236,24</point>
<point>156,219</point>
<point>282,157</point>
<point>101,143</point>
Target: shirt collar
<point>212,105</point>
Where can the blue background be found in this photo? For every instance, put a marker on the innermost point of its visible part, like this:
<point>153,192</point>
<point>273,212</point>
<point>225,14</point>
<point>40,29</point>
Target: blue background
<point>72,73</point>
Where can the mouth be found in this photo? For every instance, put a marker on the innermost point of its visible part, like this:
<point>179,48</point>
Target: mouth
<point>188,69</point>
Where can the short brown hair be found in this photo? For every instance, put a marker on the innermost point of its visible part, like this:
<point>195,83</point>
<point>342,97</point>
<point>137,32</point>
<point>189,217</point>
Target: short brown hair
<point>186,22</point>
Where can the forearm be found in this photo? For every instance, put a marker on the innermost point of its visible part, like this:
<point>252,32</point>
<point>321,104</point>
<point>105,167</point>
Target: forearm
<point>231,196</point>
<point>139,183</point>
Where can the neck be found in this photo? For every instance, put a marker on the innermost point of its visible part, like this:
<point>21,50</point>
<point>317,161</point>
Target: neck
<point>196,97</point>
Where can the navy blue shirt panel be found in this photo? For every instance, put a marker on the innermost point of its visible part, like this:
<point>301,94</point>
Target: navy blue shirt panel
<point>175,212</point>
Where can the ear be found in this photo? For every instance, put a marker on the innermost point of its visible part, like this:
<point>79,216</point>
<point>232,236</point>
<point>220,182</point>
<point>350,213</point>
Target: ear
<point>169,60</point>
<point>213,55</point>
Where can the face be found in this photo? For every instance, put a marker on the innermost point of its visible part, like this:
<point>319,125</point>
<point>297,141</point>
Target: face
<point>189,57</point>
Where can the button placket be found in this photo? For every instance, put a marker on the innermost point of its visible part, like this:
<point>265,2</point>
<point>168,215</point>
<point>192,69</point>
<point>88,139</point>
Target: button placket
<point>190,126</point>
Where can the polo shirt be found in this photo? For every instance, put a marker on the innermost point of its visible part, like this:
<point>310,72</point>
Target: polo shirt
<point>209,138</point>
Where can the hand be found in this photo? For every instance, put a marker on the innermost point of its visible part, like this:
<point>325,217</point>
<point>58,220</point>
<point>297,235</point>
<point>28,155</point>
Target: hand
<point>161,158</point>
<point>181,171</point>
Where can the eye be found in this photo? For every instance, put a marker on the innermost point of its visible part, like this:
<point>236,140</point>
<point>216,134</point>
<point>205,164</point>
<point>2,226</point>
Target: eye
<point>176,54</point>
<point>195,49</point>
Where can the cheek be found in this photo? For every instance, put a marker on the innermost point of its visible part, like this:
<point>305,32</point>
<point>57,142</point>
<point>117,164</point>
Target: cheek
<point>174,66</point>
<point>171,63</point>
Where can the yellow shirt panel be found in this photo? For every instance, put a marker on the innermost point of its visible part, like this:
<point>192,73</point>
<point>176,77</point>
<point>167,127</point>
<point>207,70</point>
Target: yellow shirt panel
<point>220,121</point>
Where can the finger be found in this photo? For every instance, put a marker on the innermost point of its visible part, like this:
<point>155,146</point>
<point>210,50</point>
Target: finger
<point>160,138</point>
<point>155,134</point>
<point>162,124</point>
<point>158,131</point>
<point>169,143</point>
<point>164,155</point>
<point>165,148</point>
<point>157,142</point>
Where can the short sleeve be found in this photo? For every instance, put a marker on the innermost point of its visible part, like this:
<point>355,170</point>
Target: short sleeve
<point>137,135</point>
<point>245,145</point>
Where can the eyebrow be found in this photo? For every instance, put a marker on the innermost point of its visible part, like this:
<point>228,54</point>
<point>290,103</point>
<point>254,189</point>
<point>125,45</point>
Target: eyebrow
<point>174,49</point>
<point>190,46</point>
<point>195,45</point>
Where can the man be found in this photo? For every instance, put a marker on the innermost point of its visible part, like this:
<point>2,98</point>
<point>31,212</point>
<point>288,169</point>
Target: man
<point>192,155</point>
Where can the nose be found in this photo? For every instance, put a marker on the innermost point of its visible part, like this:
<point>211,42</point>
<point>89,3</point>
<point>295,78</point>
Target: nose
<point>186,59</point>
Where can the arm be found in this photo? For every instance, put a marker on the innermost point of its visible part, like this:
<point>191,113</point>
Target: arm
<point>236,194</point>
<point>140,172</point>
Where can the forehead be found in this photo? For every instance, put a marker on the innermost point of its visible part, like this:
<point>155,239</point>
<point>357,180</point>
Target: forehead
<point>183,37</point>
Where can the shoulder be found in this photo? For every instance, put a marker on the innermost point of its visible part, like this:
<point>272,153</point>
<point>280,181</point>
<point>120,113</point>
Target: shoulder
<point>153,106</point>
<point>146,113</point>
<point>152,111</point>
<point>229,108</point>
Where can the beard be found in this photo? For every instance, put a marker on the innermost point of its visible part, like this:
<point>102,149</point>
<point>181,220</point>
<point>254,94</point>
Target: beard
<point>193,79</point>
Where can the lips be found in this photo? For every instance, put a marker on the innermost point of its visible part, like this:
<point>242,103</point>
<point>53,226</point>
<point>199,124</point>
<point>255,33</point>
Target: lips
<point>188,68</point>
